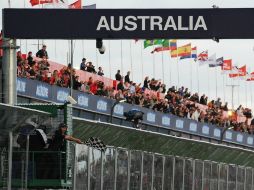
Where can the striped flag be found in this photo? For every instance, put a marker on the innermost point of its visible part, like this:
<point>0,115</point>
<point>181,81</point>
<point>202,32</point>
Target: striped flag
<point>193,54</point>
<point>226,66</point>
<point>173,45</point>
<point>39,2</point>
<point>241,72</point>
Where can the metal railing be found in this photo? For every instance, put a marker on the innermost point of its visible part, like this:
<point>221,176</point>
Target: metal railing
<point>120,169</point>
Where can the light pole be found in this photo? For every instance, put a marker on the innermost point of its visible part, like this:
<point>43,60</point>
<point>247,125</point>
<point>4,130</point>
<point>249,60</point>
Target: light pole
<point>114,105</point>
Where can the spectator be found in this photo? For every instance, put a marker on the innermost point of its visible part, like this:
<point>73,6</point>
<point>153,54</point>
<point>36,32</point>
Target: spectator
<point>127,77</point>
<point>54,80</point>
<point>90,67</point>
<point>43,64</point>
<point>225,107</point>
<point>84,87</point>
<point>217,103</point>
<point>202,100</point>
<point>94,87</point>
<point>120,85</point>
<point>30,58</point>
<point>76,83</point>
<point>100,72</point>
<point>19,58</point>
<point>146,82</point>
<point>83,64</point>
<point>42,52</point>
<point>118,75</point>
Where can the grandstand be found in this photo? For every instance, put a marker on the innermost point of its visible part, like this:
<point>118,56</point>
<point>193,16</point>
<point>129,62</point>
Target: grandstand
<point>179,140</point>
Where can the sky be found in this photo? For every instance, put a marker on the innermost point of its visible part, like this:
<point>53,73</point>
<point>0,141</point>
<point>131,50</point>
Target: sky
<point>127,55</point>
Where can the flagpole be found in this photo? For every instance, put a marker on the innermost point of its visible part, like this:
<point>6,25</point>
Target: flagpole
<point>142,67</point>
<point>83,49</point>
<point>238,93</point>
<point>131,61</point>
<point>55,50</point>
<point>251,95</point>
<point>109,58</point>
<point>9,3</point>
<point>177,65</point>
<point>197,68</point>
<point>208,86</point>
<point>216,82</point>
<point>96,56</point>
<point>170,78</point>
<point>191,77</point>
<point>223,88</point>
<point>162,61</point>
<point>246,99</point>
<point>153,64</point>
<point>122,57</point>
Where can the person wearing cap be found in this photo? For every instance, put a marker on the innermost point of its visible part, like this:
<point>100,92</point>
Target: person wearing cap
<point>60,137</point>
<point>42,52</point>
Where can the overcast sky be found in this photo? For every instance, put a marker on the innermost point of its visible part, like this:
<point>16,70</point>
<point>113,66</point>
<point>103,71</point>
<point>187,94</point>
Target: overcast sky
<point>141,62</point>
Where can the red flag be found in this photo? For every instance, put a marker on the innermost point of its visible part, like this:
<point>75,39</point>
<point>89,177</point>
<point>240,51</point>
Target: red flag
<point>227,65</point>
<point>241,72</point>
<point>37,2</point>
<point>75,5</point>
<point>158,49</point>
<point>251,75</point>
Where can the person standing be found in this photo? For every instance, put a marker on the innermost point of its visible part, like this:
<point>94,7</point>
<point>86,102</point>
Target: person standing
<point>42,52</point>
<point>83,64</point>
<point>118,75</point>
<point>127,77</point>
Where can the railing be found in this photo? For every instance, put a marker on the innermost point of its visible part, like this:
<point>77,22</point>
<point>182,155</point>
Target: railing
<point>120,168</point>
<point>45,169</point>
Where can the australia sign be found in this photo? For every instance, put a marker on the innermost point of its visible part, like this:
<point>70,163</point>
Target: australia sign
<point>129,23</point>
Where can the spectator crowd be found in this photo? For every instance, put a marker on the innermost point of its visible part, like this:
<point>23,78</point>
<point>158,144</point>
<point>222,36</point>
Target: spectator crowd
<point>176,101</point>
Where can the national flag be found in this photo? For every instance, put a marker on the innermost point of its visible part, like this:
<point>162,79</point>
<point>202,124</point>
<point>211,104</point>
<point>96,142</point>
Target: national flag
<point>159,49</point>
<point>75,5</point>
<point>148,43</point>
<point>38,2</point>
<point>164,46</point>
<point>241,72</point>
<point>173,44</point>
<point>251,77</point>
<point>182,51</point>
<point>227,65</point>
<point>210,60</point>
<point>203,56</point>
<point>165,43</point>
<point>193,54</point>
<point>219,62</point>
<point>93,6</point>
